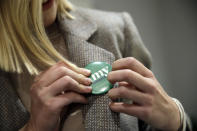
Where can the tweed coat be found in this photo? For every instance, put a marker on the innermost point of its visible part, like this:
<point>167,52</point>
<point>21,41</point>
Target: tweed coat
<point>92,36</point>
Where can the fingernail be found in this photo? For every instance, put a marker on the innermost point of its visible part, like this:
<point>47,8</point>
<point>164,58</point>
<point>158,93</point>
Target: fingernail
<point>86,87</point>
<point>88,81</point>
<point>87,71</point>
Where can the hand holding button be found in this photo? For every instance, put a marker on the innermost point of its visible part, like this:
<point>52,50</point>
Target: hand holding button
<point>99,70</point>
<point>150,102</point>
<point>52,91</point>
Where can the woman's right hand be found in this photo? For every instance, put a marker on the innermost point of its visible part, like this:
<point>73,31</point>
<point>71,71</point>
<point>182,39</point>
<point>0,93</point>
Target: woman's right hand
<point>54,89</point>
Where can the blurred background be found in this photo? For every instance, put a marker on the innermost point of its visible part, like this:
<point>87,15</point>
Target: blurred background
<point>169,30</point>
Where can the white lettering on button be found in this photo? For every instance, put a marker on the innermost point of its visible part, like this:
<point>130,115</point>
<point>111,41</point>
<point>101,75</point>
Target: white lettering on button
<point>101,73</point>
<point>105,70</point>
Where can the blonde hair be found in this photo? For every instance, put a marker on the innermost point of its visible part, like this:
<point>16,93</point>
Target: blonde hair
<point>23,40</point>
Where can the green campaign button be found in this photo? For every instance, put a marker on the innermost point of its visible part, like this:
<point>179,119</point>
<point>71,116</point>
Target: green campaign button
<point>100,70</point>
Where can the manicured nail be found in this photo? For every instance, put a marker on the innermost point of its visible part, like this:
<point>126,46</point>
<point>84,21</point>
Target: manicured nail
<point>89,87</point>
<point>88,81</point>
<point>85,87</point>
<point>87,71</point>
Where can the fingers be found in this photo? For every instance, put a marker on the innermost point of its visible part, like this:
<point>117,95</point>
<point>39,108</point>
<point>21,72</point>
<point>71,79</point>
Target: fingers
<point>68,98</point>
<point>47,72</point>
<point>56,104</point>
<point>130,109</point>
<point>63,71</point>
<point>131,77</point>
<point>132,64</point>
<point>129,93</point>
<point>126,84</point>
<point>58,71</point>
<point>82,71</point>
<point>66,83</point>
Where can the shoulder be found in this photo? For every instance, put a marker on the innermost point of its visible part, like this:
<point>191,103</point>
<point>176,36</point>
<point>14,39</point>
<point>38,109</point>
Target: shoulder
<point>116,28</point>
<point>121,26</point>
<point>104,19</point>
<point>111,27</point>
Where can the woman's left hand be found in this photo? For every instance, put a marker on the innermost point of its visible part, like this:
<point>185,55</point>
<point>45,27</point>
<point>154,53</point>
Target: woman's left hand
<point>150,102</point>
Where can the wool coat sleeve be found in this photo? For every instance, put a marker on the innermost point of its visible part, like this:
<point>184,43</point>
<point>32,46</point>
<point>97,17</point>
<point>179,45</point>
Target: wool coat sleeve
<point>133,43</point>
<point>134,47</point>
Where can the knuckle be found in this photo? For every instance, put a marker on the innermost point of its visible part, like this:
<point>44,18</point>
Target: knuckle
<point>146,113</point>
<point>67,80</point>
<point>37,92</point>
<point>39,96</point>
<point>154,90</point>
<point>152,86</point>
<point>131,60</point>
<point>150,100</point>
<point>127,73</point>
<point>62,70</point>
<point>81,77</point>
<point>47,105</point>
<point>150,73</point>
<point>122,91</point>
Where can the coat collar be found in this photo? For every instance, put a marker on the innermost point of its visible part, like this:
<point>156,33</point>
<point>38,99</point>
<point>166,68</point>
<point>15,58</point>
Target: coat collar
<point>76,34</point>
<point>80,26</point>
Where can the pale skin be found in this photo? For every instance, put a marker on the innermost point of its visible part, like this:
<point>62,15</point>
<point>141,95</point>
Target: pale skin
<point>137,83</point>
<point>150,102</point>
<point>48,99</point>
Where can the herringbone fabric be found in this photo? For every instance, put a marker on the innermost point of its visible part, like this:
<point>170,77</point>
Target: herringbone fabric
<point>97,115</point>
<point>13,115</point>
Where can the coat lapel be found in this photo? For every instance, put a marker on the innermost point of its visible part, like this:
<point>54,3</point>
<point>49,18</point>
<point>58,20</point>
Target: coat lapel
<point>76,34</point>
